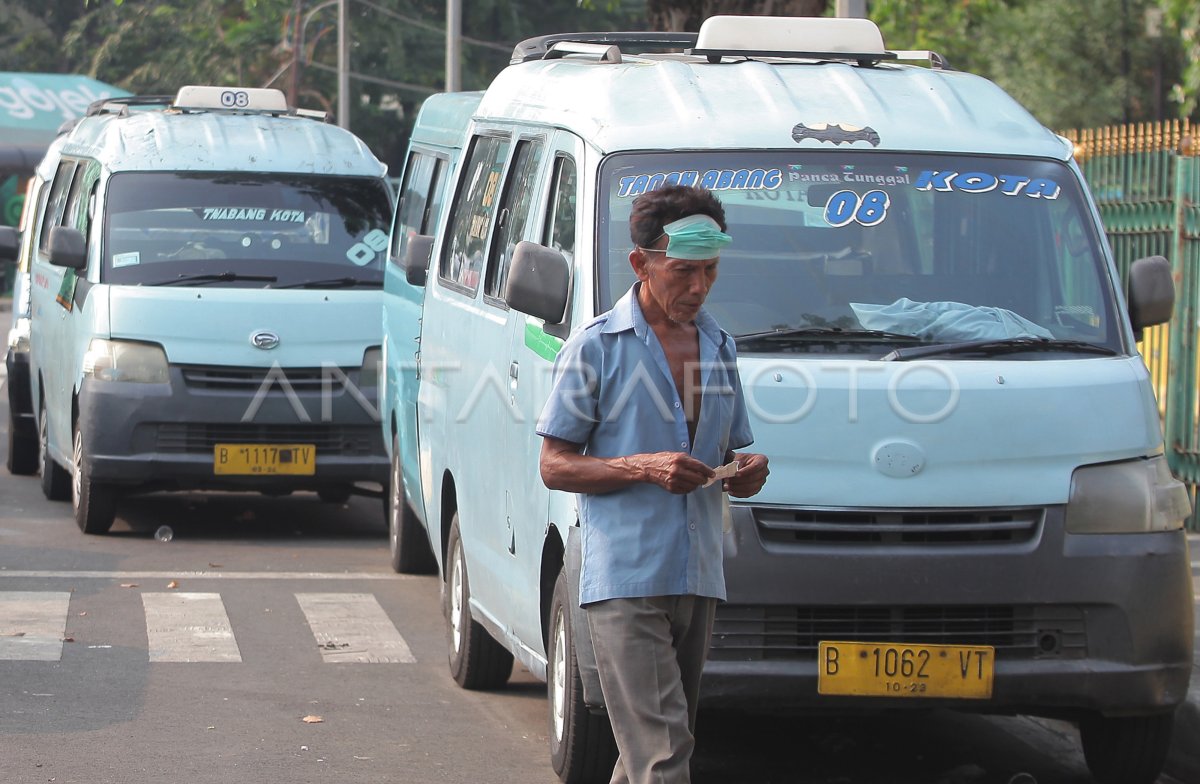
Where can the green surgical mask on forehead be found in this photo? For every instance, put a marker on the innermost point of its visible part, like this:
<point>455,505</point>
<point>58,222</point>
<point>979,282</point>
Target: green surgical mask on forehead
<point>695,237</point>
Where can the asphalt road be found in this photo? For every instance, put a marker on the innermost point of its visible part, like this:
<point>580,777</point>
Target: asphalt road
<point>127,660</point>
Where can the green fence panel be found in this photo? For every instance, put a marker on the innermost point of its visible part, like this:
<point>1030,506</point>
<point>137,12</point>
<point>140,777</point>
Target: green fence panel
<point>1146,182</point>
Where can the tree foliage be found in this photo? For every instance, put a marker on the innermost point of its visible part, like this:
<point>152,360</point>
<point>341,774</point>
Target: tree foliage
<point>1072,62</point>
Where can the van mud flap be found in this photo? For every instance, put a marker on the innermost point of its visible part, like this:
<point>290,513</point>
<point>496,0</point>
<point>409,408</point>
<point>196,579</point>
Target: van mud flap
<point>585,656</point>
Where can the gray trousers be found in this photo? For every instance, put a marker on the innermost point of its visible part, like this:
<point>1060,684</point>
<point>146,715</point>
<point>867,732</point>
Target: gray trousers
<point>650,653</point>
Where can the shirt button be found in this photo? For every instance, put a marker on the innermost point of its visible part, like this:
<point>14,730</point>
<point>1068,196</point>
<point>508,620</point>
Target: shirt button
<point>683,444</point>
<point>692,526</point>
<point>677,404</point>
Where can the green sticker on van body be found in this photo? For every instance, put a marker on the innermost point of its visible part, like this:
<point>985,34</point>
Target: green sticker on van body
<point>536,339</point>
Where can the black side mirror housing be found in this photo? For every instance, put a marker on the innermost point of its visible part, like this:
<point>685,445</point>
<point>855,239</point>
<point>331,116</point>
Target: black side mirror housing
<point>539,283</point>
<point>1151,292</point>
<point>10,243</point>
<point>68,248</point>
<point>416,259</point>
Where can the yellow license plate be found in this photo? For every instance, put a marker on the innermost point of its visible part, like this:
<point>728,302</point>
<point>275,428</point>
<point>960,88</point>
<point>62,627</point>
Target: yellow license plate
<point>265,459</point>
<point>884,669</point>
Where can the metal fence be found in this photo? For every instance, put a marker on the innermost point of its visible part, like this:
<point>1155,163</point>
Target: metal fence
<point>1146,181</point>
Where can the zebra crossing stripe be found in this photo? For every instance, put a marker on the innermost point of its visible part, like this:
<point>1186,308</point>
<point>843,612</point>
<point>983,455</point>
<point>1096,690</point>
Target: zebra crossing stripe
<point>33,625</point>
<point>189,627</point>
<point>352,627</point>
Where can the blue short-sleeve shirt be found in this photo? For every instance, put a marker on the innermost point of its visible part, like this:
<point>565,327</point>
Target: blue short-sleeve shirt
<point>613,393</point>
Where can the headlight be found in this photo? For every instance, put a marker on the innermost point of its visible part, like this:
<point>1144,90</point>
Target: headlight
<point>371,368</point>
<point>122,360</point>
<point>1129,497</point>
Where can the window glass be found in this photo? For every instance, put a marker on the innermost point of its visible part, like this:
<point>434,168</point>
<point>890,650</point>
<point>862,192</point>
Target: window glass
<point>462,256</point>
<point>519,192</point>
<point>57,202</point>
<point>414,196</point>
<point>937,248</point>
<point>560,222</point>
<point>241,229</point>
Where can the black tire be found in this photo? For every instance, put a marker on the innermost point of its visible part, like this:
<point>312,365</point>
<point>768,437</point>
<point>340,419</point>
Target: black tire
<point>56,481</point>
<point>582,747</point>
<point>1126,749</point>
<point>22,451</point>
<point>94,504</point>
<point>407,540</point>
<point>477,660</point>
<point>334,495</point>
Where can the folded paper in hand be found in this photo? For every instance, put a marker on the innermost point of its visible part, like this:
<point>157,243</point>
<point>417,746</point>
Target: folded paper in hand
<point>724,472</point>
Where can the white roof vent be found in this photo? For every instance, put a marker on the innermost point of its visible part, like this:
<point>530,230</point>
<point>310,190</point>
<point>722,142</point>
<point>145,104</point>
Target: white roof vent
<point>792,36</point>
<point>231,99</point>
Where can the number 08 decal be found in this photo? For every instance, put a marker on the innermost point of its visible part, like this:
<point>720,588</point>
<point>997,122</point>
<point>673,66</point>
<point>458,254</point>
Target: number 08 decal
<point>869,209</point>
<point>235,99</point>
<point>363,253</point>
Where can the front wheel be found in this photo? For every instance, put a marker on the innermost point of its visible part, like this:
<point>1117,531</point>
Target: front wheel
<point>582,747</point>
<point>94,504</point>
<point>1126,749</point>
<point>477,661</point>
<point>407,541</point>
<point>56,482</point>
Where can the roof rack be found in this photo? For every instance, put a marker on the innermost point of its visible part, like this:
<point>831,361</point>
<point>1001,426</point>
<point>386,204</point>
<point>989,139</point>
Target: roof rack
<point>121,106</point>
<point>936,61</point>
<point>540,47</point>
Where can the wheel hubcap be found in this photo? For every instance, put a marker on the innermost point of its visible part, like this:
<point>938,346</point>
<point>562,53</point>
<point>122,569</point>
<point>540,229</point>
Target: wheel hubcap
<point>558,694</point>
<point>456,600</point>
<point>394,511</point>
<point>77,469</point>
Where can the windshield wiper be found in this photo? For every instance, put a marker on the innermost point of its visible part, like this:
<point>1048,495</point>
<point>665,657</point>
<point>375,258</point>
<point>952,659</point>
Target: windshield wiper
<point>213,277</point>
<point>787,333</point>
<point>330,283</point>
<point>996,346</point>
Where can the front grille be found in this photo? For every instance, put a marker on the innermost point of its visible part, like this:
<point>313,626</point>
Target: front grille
<point>922,526</point>
<point>247,379</point>
<point>200,438</point>
<point>750,633</point>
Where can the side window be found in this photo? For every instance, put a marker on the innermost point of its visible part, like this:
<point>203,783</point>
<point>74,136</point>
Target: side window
<point>462,254</point>
<point>414,196</point>
<point>81,198</point>
<point>560,218</point>
<point>57,203</point>
<point>519,190</point>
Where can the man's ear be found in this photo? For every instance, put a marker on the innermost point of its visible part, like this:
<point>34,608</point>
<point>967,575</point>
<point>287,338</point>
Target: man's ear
<point>639,261</point>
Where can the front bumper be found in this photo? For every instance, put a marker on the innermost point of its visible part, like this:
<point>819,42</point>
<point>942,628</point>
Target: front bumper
<point>162,436</point>
<point>1080,622</point>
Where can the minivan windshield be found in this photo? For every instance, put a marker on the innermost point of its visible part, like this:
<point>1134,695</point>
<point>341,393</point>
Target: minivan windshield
<point>245,229</point>
<point>868,252</point>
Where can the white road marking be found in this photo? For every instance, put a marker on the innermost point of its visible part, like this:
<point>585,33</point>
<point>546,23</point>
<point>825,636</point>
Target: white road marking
<point>33,625</point>
<point>189,627</point>
<point>352,627</point>
<point>202,575</point>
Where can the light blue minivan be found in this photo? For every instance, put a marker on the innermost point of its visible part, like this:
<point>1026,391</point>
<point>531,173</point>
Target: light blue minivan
<point>969,506</point>
<point>205,288</point>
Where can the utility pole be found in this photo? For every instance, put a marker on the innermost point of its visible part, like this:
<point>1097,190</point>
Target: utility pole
<point>343,67</point>
<point>453,45</point>
<point>851,9</point>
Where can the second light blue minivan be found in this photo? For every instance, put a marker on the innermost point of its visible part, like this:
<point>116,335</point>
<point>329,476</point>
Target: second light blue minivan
<point>205,288</point>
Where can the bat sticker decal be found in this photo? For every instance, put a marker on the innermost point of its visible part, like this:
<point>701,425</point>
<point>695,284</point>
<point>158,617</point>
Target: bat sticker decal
<point>835,134</point>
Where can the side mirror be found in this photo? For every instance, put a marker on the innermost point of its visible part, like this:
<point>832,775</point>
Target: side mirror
<point>416,259</point>
<point>10,243</point>
<point>67,248</point>
<point>539,281</point>
<point>1151,292</point>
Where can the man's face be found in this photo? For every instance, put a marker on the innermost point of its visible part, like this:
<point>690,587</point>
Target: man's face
<point>677,286</point>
